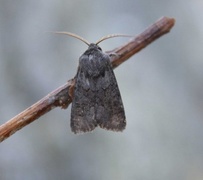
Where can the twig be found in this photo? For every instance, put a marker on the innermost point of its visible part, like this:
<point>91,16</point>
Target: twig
<point>62,96</point>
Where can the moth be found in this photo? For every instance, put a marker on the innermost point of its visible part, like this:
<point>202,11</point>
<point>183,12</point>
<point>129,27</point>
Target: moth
<point>97,100</point>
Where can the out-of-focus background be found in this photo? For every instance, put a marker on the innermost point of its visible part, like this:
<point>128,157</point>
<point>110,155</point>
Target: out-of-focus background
<point>161,88</point>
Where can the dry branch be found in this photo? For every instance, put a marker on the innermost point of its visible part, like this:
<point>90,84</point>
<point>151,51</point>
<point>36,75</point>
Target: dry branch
<point>62,96</point>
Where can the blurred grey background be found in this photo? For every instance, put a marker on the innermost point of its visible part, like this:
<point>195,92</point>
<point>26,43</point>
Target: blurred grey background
<point>161,88</point>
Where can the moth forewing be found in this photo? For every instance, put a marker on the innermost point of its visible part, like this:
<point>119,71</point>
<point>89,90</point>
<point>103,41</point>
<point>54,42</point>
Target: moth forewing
<point>97,100</point>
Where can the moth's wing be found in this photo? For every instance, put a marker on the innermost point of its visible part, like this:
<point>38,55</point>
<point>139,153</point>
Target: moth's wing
<point>83,107</point>
<point>110,113</point>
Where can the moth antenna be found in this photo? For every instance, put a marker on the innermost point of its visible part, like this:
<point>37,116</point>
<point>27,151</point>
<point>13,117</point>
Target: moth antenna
<point>112,36</point>
<point>73,35</point>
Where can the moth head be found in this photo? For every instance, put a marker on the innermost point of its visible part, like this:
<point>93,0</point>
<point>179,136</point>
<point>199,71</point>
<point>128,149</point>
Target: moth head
<point>90,44</point>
